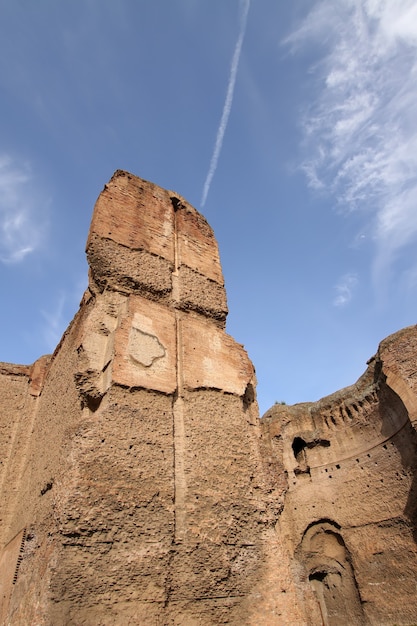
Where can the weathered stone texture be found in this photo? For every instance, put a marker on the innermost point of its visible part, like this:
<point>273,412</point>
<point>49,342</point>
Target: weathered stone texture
<point>135,214</point>
<point>116,267</point>
<point>138,485</point>
<point>349,517</point>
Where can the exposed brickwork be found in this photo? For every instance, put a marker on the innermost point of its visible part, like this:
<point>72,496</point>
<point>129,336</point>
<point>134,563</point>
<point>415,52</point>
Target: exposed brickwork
<point>139,486</point>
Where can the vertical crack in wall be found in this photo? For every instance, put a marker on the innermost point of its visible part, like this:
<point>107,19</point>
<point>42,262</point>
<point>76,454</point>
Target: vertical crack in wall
<point>180,486</point>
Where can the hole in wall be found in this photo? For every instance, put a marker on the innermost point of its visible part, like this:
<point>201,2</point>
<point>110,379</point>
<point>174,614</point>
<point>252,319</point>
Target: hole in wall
<point>92,402</point>
<point>248,397</point>
<point>298,445</point>
<point>47,487</point>
<point>320,576</point>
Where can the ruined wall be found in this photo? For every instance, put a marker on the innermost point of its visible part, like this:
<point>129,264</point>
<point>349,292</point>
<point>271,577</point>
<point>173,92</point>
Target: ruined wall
<point>349,518</point>
<point>138,485</point>
<point>141,496</point>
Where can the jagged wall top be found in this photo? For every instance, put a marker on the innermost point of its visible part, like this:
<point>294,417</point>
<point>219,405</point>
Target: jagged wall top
<point>147,240</point>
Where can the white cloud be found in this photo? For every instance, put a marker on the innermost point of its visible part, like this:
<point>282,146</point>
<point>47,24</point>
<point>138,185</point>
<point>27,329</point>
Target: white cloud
<point>361,128</point>
<point>344,290</point>
<point>22,219</point>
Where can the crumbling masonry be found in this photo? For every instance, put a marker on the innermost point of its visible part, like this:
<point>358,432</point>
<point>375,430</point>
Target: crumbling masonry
<point>139,486</point>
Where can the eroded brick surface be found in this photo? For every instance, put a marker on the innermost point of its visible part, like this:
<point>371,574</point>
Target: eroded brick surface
<point>138,485</point>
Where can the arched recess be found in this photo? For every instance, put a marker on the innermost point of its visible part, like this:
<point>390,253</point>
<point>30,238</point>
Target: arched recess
<point>327,560</point>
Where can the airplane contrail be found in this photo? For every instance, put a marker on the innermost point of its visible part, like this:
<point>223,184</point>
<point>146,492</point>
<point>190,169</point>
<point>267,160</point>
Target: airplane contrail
<point>227,105</point>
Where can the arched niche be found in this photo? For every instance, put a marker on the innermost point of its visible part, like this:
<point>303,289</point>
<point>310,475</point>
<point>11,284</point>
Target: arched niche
<point>326,559</point>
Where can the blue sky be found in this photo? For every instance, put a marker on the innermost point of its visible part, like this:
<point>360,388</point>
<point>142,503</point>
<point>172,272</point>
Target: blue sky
<point>291,125</point>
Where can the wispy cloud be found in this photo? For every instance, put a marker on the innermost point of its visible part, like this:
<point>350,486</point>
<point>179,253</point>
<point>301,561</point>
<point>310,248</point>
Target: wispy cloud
<point>227,104</point>
<point>344,289</point>
<point>21,211</point>
<point>361,129</point>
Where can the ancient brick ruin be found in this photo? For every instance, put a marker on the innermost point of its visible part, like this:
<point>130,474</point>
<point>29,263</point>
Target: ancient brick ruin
<point>139,486</point>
